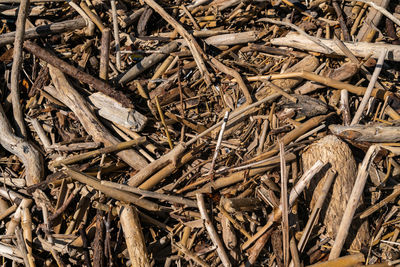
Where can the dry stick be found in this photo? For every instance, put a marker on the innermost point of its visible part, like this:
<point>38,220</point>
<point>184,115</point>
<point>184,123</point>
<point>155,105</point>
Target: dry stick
<point>42,31</point>
<point>21,246</point>
<point>353,202</point>
<point>370,87</point>
<point>26,224</point>
<point>229,71</point>
<point>344,106</point>
<point>89,22</point>
<point>97,84</point>
<point>148,62</point>
<point>116,34</point>
<point>151,194</point>
<point>292,135</point>
<point>291,25</point>
<point>258,246</point>
<point>27,153</point>
<point>94,153</point>
<point>133,236</point>
<point>111,192</point>
<point>96,19</point>
<point>105,54</point>
<point>342,22</point>
<point>280,91</point>
<point>89,121</point>
<point>350,260</point>
<point>358,90</point>
<point>313,219</point>
<point>190,254</point>
<point>294,193</point>
<point>382,10</point>
<point>211,231</point>
<point>284,204</point>
<point>171,157</point>
<point>194,47</point>
<point>189,15</point>
<point>380,204</point>
<point>20,128</point>
<point>161,114</point>
<point>219,141</point>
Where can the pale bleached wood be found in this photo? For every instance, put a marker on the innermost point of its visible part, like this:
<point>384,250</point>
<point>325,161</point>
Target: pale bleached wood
<point>359,49</point>
<point>232,38</point>
<point>27,153</point>
<point>374,133</point>
<point>112,110</point>
<point>133,236</point>
<point>70,97</point>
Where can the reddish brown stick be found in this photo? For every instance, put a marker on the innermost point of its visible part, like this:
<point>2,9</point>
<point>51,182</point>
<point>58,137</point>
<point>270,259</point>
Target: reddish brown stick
<point>76,73</point>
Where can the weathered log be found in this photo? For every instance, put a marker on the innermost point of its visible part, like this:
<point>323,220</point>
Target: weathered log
<point>332,150</point>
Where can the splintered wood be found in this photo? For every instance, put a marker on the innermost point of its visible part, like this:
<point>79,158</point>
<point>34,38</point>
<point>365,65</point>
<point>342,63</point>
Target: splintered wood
<point>200,133</point>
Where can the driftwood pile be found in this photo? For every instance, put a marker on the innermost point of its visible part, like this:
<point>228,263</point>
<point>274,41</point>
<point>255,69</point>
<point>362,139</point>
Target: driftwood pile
<point>204,133</point>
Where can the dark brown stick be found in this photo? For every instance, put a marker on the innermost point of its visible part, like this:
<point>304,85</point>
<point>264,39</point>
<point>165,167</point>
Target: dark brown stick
<point>76,73</point>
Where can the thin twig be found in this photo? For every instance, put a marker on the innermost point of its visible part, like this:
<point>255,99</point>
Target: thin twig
<point>211,231</point>
<point>219,141</point>
<point>370,87</point>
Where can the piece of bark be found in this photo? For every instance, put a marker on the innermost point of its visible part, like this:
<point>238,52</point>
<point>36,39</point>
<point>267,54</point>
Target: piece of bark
<point>306,106</point>
<point>148,62</point>
<point>309,63</point>
<point>359,49</point>
<point>332,150</point>
<point>374,133</point>
<point>68,95</point>
<point>45,30</point>
<point>112,110</point>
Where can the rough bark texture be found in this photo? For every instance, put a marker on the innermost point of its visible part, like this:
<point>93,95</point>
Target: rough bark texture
<point>332,150</point>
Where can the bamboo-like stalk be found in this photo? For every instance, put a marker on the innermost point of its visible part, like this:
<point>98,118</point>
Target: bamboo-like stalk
<point>284,204</point>
<point>26,224</point>
<point>95,19</point>
<point>133,236</point>
<point>21,246</point>
<point>346,261</point>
